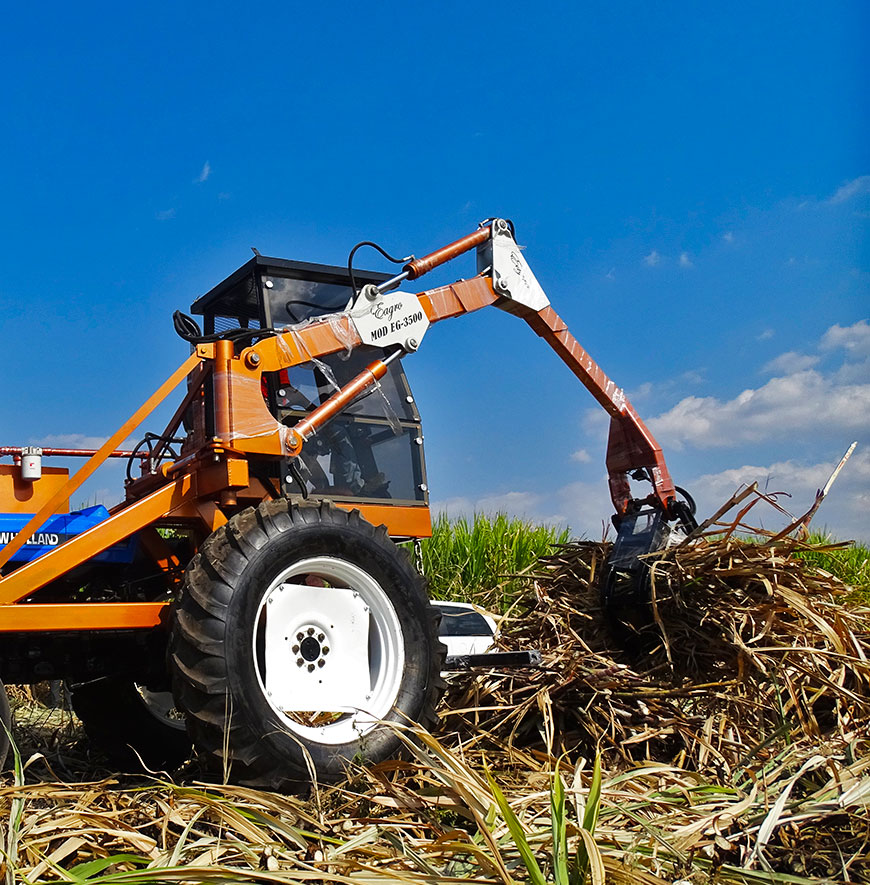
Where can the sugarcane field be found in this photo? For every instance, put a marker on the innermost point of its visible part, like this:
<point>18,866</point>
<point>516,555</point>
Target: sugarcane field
<point>729,744</point>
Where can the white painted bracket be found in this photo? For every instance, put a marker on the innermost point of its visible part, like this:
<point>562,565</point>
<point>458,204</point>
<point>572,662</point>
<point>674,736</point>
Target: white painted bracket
<point>334,674</point>
<point>512,277</point>
<point>390,318</point>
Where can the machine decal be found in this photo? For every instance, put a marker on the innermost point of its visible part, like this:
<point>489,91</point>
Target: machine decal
<point>392,318</point>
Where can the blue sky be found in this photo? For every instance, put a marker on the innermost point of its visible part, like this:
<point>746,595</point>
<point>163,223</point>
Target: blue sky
<point>692,184</point>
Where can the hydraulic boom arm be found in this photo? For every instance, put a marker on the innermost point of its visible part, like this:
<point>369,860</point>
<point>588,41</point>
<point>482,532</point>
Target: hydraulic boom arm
<point>397,321</point>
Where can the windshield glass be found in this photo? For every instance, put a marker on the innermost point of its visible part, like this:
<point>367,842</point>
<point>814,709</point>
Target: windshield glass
<point>294,301</point>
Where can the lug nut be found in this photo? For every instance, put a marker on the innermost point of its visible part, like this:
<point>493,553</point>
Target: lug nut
<point>310,631</point>
<point>320,637</point>
<point>299,662</point>
<point>295,649</point>
<point>325,650</point>
<point>321,662</point>
<point>311,668</point>
<point>300,636</point>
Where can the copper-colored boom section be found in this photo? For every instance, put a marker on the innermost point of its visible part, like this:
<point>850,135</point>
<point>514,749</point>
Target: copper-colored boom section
<point>631,445</point>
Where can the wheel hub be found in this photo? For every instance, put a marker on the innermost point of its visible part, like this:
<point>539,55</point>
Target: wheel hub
<point>311,648</point>
<point>307,628</point>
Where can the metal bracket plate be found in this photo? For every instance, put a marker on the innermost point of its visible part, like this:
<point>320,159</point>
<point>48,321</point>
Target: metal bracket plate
<point>390,318</point>
<point>511,275</point>
<point>334,626</point>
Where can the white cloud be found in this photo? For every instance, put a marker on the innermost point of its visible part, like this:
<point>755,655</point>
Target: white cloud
<point>652,259</point>
<point>204,173</point>
<point>685,261</point>
<point>641,392</point>
<point>165,214</point>
<point>766,335</point>
<point>805,402</point>
<point>854,339</point>
<point>581,456</point>
<point>585,507</point>
<point>790,362</point>
<point>526,505</point>
<point>799,400</point>
<point>71,441</point>
<point>728,236</point>
<point>853,188</point>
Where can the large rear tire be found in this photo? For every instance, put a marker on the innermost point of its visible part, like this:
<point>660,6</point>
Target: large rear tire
<point>300,633</point>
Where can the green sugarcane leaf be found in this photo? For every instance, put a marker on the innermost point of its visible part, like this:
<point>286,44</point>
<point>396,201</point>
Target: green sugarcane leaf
<point>593,802</point>
<point>559,829</point>
<point>517,833</point>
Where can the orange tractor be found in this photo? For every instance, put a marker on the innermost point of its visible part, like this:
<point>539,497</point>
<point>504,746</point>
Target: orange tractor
<point>251,593</point>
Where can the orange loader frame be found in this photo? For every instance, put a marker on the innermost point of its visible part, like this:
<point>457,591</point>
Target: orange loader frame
<point>208,484</point>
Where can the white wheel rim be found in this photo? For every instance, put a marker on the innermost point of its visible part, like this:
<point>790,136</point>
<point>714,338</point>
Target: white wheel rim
<point>386,650</point>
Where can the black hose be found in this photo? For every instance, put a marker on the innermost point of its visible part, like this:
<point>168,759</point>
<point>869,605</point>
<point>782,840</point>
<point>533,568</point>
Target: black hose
<point>373,246</point>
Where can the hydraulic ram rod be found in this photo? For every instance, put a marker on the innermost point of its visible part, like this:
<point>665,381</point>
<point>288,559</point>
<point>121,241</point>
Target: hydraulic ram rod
<point>309,425</point>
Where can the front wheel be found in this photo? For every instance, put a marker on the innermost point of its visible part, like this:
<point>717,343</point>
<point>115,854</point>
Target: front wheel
<point>300,634</point>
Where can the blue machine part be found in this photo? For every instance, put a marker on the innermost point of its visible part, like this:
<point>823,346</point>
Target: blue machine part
<point>58,529</point>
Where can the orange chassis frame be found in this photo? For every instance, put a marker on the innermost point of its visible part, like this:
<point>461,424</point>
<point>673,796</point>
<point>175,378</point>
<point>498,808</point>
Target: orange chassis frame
<point>205,485</point>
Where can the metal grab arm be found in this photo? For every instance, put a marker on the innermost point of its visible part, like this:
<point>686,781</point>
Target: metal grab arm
<point>630,445</point>
<point>506,281</point>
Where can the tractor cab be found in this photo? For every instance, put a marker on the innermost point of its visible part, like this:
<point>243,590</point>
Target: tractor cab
<point>373,450</point>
